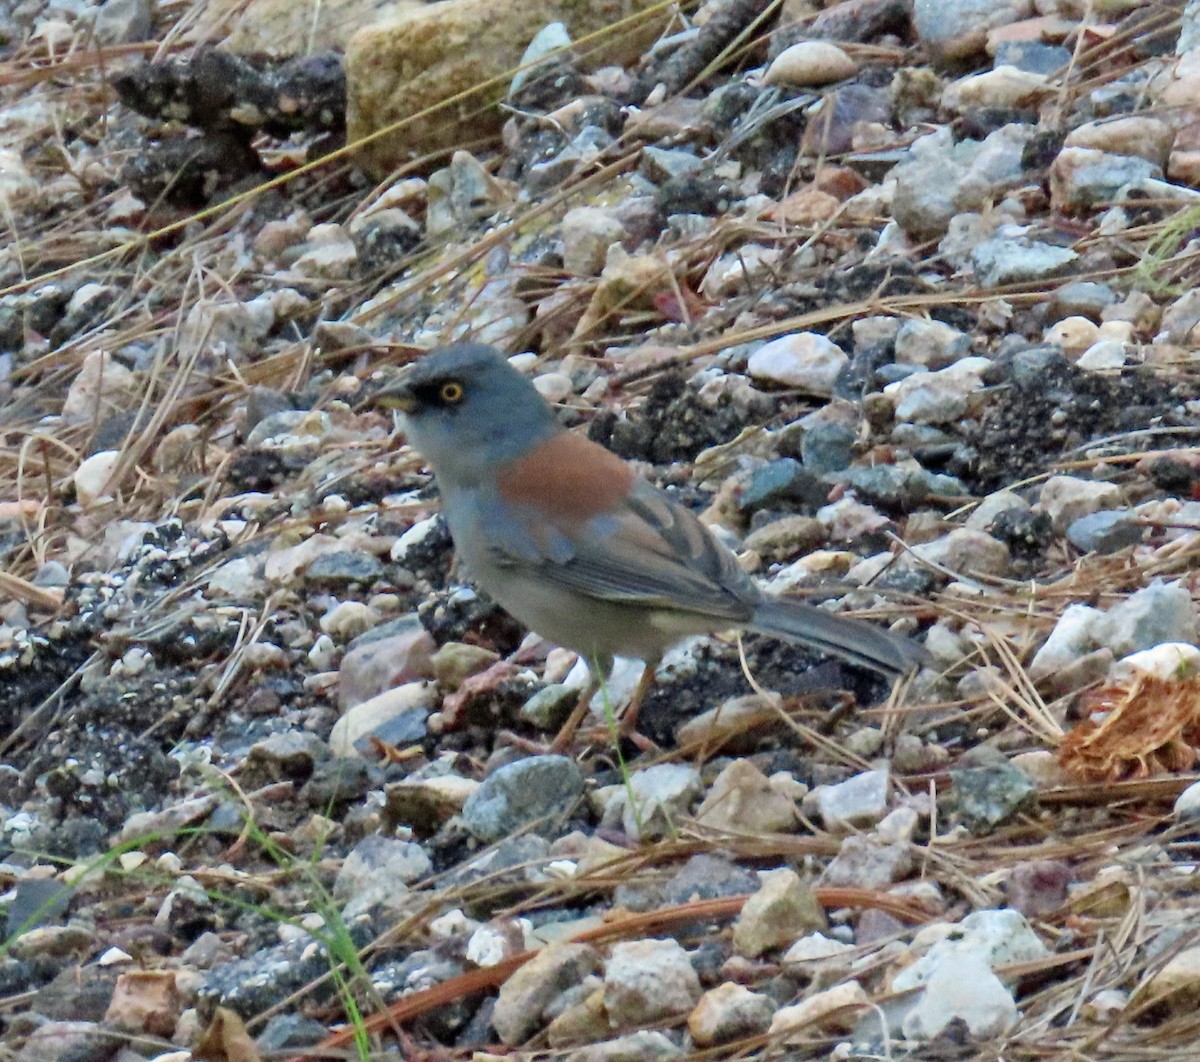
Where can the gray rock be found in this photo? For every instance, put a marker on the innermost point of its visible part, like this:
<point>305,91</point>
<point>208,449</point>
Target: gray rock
<point>958,28</point>
<point>1066,498</point>
<point>902,486</point>
<point>377,872</point>
<point>538,789</point>
<point>549,707</point>
<point>289,755</point>
<point>781,484</point>
<point>1014,259</point>
<point>1081,178</point>
<point>643,1046</point>
<point>932,344</point>
<point>661,795</point>
<point>1161,612</point>
<point>665,164</point>
<point>343,567</point>
<point>1106,531</point>
<point>1032,56</point>
<point>864,863</point>
<point>827,446</point>
<point>1080,298</point>
<point>989,794</point>
<point>1187,804</point>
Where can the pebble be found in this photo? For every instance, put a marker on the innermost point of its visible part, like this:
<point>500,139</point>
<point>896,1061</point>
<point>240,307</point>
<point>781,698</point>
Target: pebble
<point>810,63</point>
<point>646,980</point>
<point>937,397</point>
<point>781,910</point>
<point>523,1001</point>
<point>396,716</point>
<point>960,29</point>
<point>538,791</point>
<point>743,800</point>
<point>932,344</point>
<point>864,863</point>
<point>1082,178</point>
<point>833,1010</point>
<point>859,801</point>
<point>1142,135</point>
<point>988,794</point>
<point>377,872</point>
<point>587,234</point>
<point>729,1012</point>
<point>1161,612</point>
<point>1067,498</point>
<point>658,798</point>
<point>804,360</point>
<point>1106,531</point>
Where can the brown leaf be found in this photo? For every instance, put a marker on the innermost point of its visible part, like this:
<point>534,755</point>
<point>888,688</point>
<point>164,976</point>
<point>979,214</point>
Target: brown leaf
<point>226,1040</point>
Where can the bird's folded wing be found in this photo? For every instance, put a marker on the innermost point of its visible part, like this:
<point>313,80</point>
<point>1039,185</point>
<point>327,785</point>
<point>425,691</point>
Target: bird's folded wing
<point>646,550</point>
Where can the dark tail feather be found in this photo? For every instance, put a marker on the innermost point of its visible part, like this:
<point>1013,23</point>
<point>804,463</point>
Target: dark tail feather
<point>852,640</point>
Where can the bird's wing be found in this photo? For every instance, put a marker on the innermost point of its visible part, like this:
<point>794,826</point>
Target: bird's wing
<point>615,538</point>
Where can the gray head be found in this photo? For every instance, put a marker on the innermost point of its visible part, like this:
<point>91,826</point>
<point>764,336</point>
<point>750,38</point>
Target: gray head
<point>467,409</point>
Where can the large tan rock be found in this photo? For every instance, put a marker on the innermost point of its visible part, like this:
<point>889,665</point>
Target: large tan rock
<point>284,29</point>
<point>397,70</point>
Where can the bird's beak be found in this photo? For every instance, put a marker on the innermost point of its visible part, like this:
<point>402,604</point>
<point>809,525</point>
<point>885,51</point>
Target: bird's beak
<point>396,395</point>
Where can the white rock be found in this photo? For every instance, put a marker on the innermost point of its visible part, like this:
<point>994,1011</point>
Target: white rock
<point>814,948</point>
<point>1168,661</point>
<point>331,254</point>
<point>371,714</point>
<point>1104,354</point>
<point>820,1008</point>
<point>1187,804</point>
<point>1073,334</point>
<point>92,476</point>
<point>1005,86</point>
<point>1072,637</point>
<point>662,795</point>
<point>805,360</point>
<point>962,987</point>
<point>858,801</point>
<point>810,63</point>
<point>554,386</point>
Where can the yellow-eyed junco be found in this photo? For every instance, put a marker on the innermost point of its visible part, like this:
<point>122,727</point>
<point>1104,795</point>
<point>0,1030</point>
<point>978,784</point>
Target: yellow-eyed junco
<point>569,540</point>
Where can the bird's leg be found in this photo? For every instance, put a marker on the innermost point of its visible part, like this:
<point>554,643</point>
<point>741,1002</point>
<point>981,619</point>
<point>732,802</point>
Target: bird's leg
<point>630,717</point>
<point>566,733</point>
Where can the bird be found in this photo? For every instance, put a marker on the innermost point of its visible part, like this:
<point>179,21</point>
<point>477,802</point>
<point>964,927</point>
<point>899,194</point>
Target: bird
<point>574,544</point>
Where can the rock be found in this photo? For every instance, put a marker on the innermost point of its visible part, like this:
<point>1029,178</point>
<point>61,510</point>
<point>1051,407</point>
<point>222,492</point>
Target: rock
<point>377,873</point>
<point>1105,354</point>
<point>815,948</point>
<point>419,62</point>
<point>1187,804</point>
<point>931,344</point>
<point>996,937</point>
<point>1142,135</point>
<point>967,552</point>
<point>1067,498</point>
<point>726,725</point>
<point>1176,985</point>
<point>550,39</point>
<point>1081,178</point>
<point>93,476</point>
<point>859,801</point>
<point>781,483</point>
<point>392,655</point>
<point>1072,637</point>
<point>587,234</point>
<point>645,980</point>
<point>396,716</point>
<point>65,1041</point>
<point>550,707</point>
<point>988,794</point>
<point>804,360</point>
<point>1012,259</point>
<point>661,796</point>
<point>960,29</point>
<point>1106,531</point>
<point>1005,87</point>
<point>1083,298</point>
<point>524,998</point>
<point>834,1010</point>
<point>102,387</point>
<point>640,1046</point>
<point>1038,888</point>
<point>864,863</point>
<point>780,911</point>
<point>455,662</point>
<point>425,804</point>
<point>742,800</point>
<point>1161,612</point>
<point>984,514</point>
<point>729,1012</point>
<point>961,988</point>
<point>145,1002</point>
<point>810,63</point>
<point>1073,335</point>
<point>538,790</point>
<point>937,397</point>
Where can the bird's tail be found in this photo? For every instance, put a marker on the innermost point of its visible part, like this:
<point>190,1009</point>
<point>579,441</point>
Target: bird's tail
<point>852,640</point>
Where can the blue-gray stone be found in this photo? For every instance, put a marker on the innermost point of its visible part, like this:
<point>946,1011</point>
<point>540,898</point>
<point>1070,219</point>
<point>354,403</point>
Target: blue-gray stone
<point>538,789</point>
<point>1104,532</point>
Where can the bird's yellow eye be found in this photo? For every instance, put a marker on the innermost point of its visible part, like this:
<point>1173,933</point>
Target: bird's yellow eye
<point>451,392</point>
